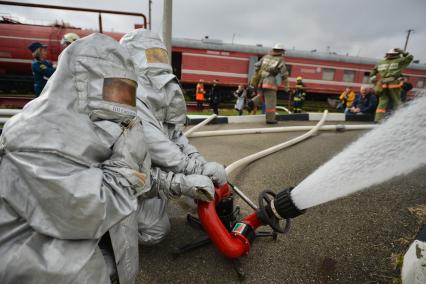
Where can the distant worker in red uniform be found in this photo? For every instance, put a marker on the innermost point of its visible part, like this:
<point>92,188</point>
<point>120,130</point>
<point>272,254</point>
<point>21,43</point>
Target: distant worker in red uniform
<point>41,67</point>
<point>199,94</point>
<point>265,79</point>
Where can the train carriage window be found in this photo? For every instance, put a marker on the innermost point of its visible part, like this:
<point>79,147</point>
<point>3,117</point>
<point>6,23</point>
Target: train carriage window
<point>348,76</point>
<point>421,83</point>
<point>328,74</point>
<point>288,66</point>
<point>177,64</point>
<point>366,78</point>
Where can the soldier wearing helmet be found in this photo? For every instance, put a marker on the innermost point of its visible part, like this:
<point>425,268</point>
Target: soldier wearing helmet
<point>390,70</point>
<point>69,38</point>
<point>267,69</point>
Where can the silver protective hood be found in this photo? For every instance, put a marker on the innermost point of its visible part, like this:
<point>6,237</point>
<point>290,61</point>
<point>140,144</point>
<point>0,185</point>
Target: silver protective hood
<point>61,120</point>
<point>158,87</point>
<point>57,195</point>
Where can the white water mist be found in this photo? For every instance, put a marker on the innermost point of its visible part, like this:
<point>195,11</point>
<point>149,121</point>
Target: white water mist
<point>396,147</point>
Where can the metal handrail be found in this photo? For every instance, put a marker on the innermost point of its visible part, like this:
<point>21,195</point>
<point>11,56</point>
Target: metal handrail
<point>90,10</point>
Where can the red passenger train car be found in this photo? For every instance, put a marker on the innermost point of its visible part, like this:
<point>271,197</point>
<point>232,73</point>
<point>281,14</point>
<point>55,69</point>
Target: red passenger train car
<point>324,74</point>
<point>232,64</point>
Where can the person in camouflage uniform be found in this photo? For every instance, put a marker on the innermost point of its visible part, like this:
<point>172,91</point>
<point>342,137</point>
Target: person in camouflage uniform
<point>390,69</point>
<point>267,69</point>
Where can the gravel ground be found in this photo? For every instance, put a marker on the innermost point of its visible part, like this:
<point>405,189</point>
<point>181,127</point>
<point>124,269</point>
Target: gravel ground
<point>351,240</point>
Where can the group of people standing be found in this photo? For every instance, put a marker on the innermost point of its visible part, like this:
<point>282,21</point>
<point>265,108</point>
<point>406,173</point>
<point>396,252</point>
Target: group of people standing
<point>214,96</point>
<point>246,97</point>
<point>262,90</point>
<point>390,89</point>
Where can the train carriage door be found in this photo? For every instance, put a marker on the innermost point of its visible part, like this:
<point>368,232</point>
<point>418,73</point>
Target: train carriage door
<point>177,63</point>
<point>420,83</point>
<point>252,61</point>
<point>366,78</point>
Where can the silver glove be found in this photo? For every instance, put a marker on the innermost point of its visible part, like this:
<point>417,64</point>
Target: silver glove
<point>194,186</point>
<point>198,157</point>
<point>216,172</point>
<point>170,185</point>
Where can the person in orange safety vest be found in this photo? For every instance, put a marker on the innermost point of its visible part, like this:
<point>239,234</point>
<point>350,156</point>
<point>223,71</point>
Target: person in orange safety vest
<point>199,94</point>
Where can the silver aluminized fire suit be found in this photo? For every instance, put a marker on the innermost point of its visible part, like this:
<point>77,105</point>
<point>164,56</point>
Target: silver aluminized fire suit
<point>162,108</point>
<point>72,165</point>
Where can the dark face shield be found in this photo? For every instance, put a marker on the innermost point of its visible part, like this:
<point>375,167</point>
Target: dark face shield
<point>121,91</point>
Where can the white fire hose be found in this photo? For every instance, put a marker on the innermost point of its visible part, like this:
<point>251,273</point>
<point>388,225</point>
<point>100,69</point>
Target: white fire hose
<point>6,113</point>
<point>338,127</point>
<point>9,111</point>
<point>283,108</point>
<point>251,158</point>
<point>201,124</point>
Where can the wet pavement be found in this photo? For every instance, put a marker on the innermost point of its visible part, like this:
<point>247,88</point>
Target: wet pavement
<point>351,240</point>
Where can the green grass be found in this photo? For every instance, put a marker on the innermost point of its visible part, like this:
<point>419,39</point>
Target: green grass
<point>227,110</point>
<point>308,106</point>
<point>224,112</point>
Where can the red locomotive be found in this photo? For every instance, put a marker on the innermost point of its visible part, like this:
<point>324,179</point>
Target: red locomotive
<point>232,64</point>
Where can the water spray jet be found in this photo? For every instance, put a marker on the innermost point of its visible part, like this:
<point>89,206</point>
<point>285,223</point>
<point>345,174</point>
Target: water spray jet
<point>406,150</point>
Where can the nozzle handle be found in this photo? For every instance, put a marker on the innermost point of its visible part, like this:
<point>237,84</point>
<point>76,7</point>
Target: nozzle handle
<point>285,206</point>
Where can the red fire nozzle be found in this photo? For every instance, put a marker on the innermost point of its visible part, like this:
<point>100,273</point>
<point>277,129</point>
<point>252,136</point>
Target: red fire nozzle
<point>272,208</point>
<point>231,244</point>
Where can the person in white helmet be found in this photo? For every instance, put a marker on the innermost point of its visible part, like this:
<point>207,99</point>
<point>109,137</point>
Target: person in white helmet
<point>162,108</point>
<point>69,38</point>
<point>267,69</point>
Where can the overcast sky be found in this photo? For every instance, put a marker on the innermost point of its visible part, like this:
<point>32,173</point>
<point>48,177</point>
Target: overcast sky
<point>358,27</point>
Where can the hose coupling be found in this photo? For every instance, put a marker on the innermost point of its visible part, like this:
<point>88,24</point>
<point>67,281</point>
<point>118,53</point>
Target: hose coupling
<point>284,205</point>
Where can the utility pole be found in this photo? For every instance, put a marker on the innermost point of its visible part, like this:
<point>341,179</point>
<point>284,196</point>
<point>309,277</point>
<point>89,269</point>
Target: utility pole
<point>167,26</point>
<point>149,14</point>
<point>408,36</point>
